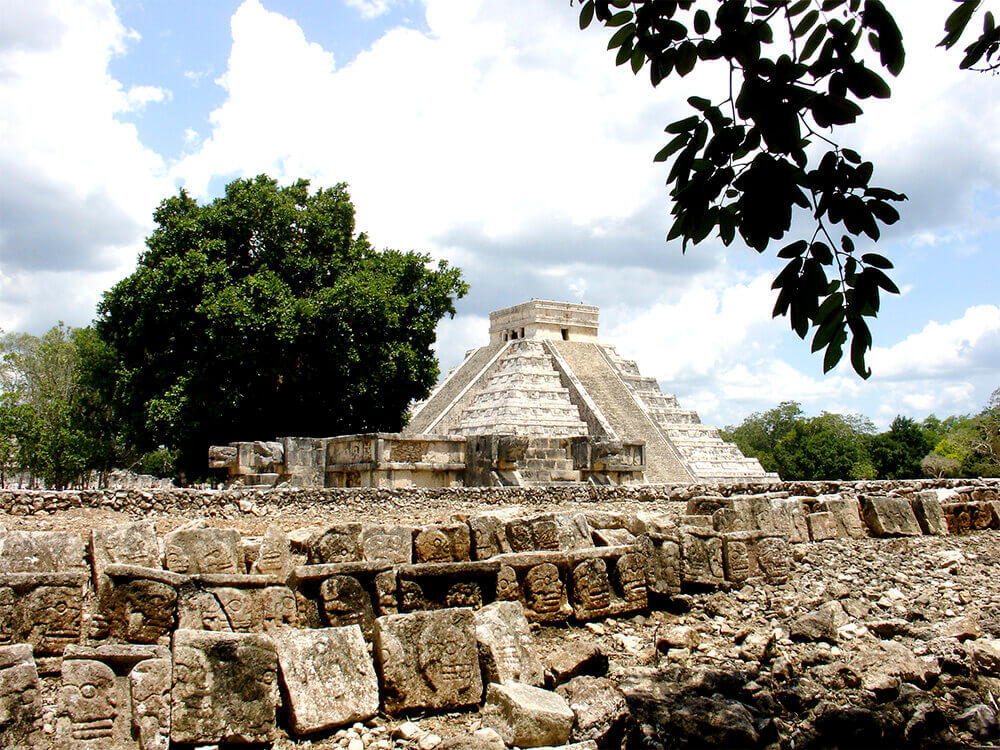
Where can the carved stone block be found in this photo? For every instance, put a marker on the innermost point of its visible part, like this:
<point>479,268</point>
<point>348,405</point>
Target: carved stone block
<point>545,593</point>
<point>123,544</point>
<point>701,555</point>
<point>663,559</point>
<point>890,516</point>
<point>549,531</point>
<point>93,711</point>
<point>443,585</point>
<point>428,660</point>
<point>506,648</point>
<point>242,608</point>
<point>224,687</point>
<point>846,514</point>
<point>275,556</point>
<point>739,560</point>
<point>394,544</point>
<point>149,688</point>
<point>441,543</point>
<point>789,515</point>
<point>821,526</point>
<point>197,551</point>
<point>43,609</point>
<point>774,558</point>
<point>41,552</point>
<point>20,702</point>
<point>139,610</point>
<point>328,676</point>
<point>346,602</point>
<point>927,509</point>
<point>336,544</point>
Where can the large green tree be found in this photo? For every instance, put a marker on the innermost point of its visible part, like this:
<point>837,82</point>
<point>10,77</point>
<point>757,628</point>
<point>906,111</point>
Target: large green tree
<point>758,434</point>
<point>749,162</point>
<point>897,453</point>
<point>830,446</point>
<point>264,313</point>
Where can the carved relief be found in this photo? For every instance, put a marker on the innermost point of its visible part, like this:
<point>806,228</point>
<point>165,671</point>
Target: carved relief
<point>546,593</point>
<point>141,611</point>
<point>345,602</point>
<point>508,588</point>
<point>51,617</point>
<point>149,683</point>
<point>88,704</point>
<point>630,572</point>
<point>591,588</point>
<point>195,551</point>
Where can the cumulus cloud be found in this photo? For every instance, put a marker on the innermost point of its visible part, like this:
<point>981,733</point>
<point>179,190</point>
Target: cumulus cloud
<point>370,8</point>
<point>79,185</point>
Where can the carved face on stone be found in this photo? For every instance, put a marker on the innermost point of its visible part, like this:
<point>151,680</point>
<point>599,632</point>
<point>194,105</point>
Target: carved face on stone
<point>519,535</point>
<point>412,597</point>
<point>545,588</point>
<point>88,698</point>
<point>216,558</point>
<point>144,610</point>
<point>464,594</point>
<point>433,546</point>
<point>737,561</point>
<point>591,584</point>
<point>345,602</point>
<point>508,588</point>
<point>280,607</point>
<point>238,605</point>
<point>444,659</point>
<point>150,688</point>
<point>177,559</point>
<point>192,680</point>
<point>18,694</point>
<point>54,613</point>
<point>546,533</point>
<point>213,616</point>
<point>630,572</point>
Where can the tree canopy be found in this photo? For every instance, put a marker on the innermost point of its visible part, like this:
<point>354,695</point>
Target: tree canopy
<point>752,162</point>
<point>265,313</point>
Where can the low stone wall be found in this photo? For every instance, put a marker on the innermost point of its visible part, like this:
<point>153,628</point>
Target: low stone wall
<point>233,502</point>
<point>135,640</point>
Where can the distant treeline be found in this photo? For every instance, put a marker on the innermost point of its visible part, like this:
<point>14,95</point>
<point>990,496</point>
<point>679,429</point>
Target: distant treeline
<point>847,446</point>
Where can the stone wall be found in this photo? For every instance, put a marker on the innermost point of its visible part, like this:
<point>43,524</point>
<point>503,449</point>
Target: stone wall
<point>185,637</point>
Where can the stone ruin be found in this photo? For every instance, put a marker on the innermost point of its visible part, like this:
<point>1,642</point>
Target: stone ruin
<point>126,639</point>
<point>544,402</point>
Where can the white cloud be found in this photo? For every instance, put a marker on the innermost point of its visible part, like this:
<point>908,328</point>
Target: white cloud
<point>139,96</point>
<point>369,8</point>
<point>79,186</point>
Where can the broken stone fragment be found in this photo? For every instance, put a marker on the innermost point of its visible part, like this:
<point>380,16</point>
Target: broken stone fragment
<point>428,660</point>
<point>599,709</point>
<point>818,625</point>
<point>576,658</point>
<point>506,648</point>
<point>392,544</point>
<point>527,716</point>
<point>328,677</point>
<point>336,544</point>
<point>927,509</point>
<point>821,526</point>
<point>846,515</point>
<point>41,552</point>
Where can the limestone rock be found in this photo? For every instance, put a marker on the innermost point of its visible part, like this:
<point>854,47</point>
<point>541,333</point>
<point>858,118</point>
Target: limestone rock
<point>337,543</point>
<point>885,666</point>
<point>194,551</point>
<point>93,711</point>
<point>663,569</point>
<point>20,702</point>
<point>890,516</point>
<point>149,688</point>
<point>819,625</point>
<point>506,648</point>
<point>393,544</point>
<point>927,509</point>
<point>527,716</point>
<point>275,556</point>
<point>328,676</point>
<point>428,660</point>
<point>821,526</point>
<point>576,658</point>
<point>224,687</point>
<point>599,709</point>
<point>41,552</point>
<point>846,515</point>
<point>124,544</point>
<point>439,543</point>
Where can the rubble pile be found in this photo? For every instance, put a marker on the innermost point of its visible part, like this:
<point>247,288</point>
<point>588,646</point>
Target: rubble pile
<point>745,620</point>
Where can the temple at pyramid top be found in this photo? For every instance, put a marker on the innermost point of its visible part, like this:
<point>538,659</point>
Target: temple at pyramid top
<point>546,379</point>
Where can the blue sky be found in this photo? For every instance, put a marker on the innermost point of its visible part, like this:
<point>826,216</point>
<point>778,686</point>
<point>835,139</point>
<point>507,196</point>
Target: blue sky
<point>499,137</point>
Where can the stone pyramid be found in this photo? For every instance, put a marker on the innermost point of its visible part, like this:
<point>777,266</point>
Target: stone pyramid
<point>545,375</point>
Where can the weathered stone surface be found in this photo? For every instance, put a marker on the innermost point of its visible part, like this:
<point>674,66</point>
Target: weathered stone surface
<point>20,702</point>
<point>599,709</point>
<point>93,709</point>
<point>275,556</point>
<point>885,666</point>
<point>439,543</point>
<point>927,509</point>
<point>237,609</point>
<point>545,593</point>
<point>739,558</point>
<point>337,543</point>
<point>576,658</point>
<point>774,558</point>
<point>123,544</point>
<point>549,531</point>
<point>200,550</point>
<point>43,609</point>
<point>890,516</point>
<point>328,676</point>
<point>224,687</point>
<point>663,560</point>
<point>506,648</point>
<point>821,526</point>
<point>613,537</point>
<point>139,610</point>
<point>846,514</point>
<point>393,544</point>
<point>40,552</point>
<point>346,602</point>
<point>149,687</point>
<point>428,660</point>
<point>527,716</point>
<point>701,555</point>
<point>818,625</point>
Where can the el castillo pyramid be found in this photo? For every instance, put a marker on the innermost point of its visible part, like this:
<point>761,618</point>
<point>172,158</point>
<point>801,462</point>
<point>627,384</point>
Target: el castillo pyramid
<point>546,376</point>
